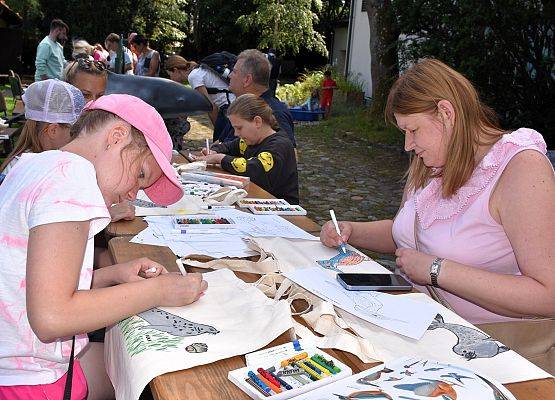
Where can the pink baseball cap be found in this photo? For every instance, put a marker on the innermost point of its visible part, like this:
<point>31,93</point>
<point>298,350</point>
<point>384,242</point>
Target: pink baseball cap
<point>167,189</point>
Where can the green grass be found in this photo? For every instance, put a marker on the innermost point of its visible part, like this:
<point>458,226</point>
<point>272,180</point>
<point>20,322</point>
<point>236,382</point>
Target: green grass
<point>10,101</point>
<point>354,120</point>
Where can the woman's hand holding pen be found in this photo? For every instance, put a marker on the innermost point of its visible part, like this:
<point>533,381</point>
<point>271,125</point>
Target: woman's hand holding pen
<point>330,237</point>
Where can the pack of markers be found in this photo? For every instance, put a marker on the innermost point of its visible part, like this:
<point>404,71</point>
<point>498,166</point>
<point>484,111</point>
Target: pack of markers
<point>271,206</point>
<point>202,221</point>
<point>286,378</point>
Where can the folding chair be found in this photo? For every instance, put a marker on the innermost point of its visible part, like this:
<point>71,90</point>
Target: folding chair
<point>16,87</point>
<point>3,106</point>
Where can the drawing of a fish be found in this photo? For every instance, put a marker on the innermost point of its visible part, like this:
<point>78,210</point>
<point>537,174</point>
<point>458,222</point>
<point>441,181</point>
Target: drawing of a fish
<point>471,343</point>
<point>348,258</point>
<point>430,388</point>
<point>163,321</point>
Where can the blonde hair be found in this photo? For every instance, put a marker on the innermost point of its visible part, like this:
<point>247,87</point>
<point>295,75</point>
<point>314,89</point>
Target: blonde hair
<point>419,90</point>
<point>248,106</point>
<point>29,140</point>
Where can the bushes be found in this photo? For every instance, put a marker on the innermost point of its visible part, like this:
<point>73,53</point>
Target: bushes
<point>296,93</point>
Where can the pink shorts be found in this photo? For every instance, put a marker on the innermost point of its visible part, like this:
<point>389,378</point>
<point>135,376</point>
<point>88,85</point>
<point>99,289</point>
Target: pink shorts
<point>49,391</point>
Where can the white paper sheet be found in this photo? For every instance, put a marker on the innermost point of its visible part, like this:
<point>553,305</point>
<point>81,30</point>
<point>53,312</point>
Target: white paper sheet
<point>394,313</point>
<point>187,205</point>
<point>266,225</point>
<point>450,339</point>
<point>232,318</point>
<point>413,379</point>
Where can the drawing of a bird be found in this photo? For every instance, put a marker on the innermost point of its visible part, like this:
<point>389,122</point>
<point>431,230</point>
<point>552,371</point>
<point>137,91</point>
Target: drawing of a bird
<point>392,378</point>
<point>430,388</point>
<point>365,380</point>
<point>365,394</point>
<point>455,376</point>
<point>433,369</point>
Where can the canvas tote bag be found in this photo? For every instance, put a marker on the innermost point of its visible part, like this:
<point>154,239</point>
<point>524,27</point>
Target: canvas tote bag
<point>532,338</point>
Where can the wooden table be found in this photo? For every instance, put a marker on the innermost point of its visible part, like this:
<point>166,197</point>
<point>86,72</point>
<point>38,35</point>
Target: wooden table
<point>210,381</point>
<point>131,228</point>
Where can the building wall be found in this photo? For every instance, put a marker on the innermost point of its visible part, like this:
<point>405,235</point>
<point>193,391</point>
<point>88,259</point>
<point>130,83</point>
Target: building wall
<point>359,63</point>
<point>339,55</point>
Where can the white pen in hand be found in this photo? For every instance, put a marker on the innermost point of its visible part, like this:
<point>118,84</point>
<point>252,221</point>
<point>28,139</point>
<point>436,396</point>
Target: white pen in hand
<point>207,147</point>
<point>334,220</point>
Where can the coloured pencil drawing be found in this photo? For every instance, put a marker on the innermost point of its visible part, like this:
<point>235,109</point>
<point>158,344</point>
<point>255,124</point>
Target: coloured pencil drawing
<point>348,258</point>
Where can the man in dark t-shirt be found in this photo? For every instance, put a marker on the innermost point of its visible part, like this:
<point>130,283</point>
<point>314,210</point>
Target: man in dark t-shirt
<point>251,74</point>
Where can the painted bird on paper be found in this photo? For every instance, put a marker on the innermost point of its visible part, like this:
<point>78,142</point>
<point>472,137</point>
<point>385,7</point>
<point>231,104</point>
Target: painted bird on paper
<point>366,380</point>
<point>430,388</point>
<point>164,321</point>
<point>365,394</point>
<point>455,376</point>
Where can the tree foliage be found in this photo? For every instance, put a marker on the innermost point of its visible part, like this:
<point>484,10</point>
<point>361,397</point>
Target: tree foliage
<point>505,47</point>
<point>286,25</point>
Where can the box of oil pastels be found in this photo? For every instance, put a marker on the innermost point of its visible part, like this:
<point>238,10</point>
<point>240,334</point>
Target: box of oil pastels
<point>286,377</point>
<point>271,206</point>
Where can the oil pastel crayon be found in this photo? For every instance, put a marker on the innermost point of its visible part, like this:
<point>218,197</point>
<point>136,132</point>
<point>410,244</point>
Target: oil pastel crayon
<point>312,367</point>
<point>294,358</point>
<point>277,378</point>
<point>274,388</point>
<point>314,375</point>
<point>254,377</point>
<point>323,370</point>
<point>326,363</point>
<point>268,376</point>
<point>254,385</point>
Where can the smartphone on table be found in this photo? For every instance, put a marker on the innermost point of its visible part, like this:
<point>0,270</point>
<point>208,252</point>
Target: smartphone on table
<point>389,282</point>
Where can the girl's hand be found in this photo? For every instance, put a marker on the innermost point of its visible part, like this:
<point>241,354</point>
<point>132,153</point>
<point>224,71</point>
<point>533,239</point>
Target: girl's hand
<point>137,270</point>
<point>329,236</point>
<point>213,158</point>
<point>415,265</point>
<point>179,290</point>
<point>205,153</point>
<point>124,210</point>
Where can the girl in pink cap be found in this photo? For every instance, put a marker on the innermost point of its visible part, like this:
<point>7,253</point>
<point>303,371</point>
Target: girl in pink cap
<point>51,206</point>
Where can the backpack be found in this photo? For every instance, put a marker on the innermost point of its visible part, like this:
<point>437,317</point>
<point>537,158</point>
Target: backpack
<point>221,63</point>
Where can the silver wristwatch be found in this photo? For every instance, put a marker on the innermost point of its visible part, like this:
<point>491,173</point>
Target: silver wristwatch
<point>435,267</point>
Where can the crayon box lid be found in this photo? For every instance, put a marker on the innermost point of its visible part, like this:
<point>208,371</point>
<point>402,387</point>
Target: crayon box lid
<point>238,377</point>
<point>251,201</point>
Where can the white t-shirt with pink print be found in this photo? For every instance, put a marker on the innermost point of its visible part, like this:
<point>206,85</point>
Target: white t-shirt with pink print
<point>49,187</point>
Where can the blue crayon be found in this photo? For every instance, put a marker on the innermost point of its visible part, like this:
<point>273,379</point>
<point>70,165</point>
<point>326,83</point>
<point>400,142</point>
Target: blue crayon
<point>257,380</point>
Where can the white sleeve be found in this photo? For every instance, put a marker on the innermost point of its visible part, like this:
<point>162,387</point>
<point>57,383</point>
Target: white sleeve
<point>69,193</point>
<point>196,78</point>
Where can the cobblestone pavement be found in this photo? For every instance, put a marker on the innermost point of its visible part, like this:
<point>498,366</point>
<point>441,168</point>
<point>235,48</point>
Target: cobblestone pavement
<point>360,181</point>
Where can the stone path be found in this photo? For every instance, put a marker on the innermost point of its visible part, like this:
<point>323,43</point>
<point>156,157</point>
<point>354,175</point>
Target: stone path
<point>361,182</point>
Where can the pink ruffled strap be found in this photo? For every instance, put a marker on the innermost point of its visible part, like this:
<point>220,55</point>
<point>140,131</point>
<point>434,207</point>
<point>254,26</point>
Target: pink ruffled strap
<point>431,206</point>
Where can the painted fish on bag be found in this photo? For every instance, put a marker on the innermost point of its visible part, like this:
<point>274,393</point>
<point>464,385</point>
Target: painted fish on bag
<point>164,321</point>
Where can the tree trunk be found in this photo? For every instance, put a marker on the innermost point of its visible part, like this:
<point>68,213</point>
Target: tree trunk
<point>384,67</point>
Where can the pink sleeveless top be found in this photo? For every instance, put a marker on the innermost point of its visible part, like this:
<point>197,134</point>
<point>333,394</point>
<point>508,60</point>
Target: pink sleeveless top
<point>461,228</point>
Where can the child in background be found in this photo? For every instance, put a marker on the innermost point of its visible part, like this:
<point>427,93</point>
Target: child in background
<point>328,86</point>
<point>48,123</point>
<point>267,157</point>
<point>313,102</point>
<point>51,206</point>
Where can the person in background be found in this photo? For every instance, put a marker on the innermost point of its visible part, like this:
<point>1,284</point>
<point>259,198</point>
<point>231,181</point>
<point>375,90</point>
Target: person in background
<point>251,74</point>
<point>201,78</point>
<point>112,45</point>
<point>313,102</point>
<point>50,59</point>
<point>100,54</point>
<point>260,150</point>
<point>88,76</point>
<point>148,60</point>
<point>134,53</point>
<point>81,49</point>
<point>55,202</point>
<point>476,218</point>
<point>51,108</point>
<point>178,70</point>
<point>274,71</point>
<point>328,86</point>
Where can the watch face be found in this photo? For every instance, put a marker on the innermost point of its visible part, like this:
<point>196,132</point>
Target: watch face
<point>434,268</point>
